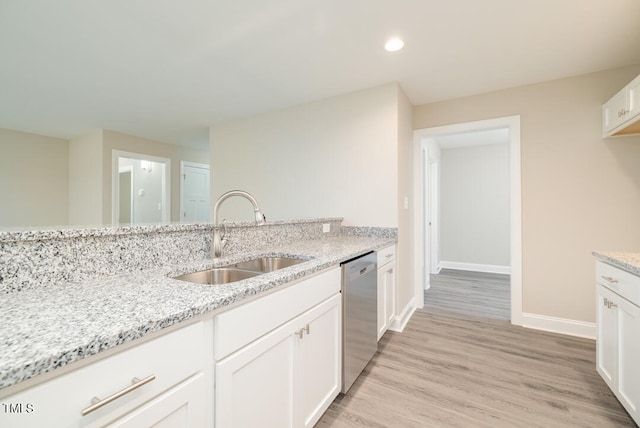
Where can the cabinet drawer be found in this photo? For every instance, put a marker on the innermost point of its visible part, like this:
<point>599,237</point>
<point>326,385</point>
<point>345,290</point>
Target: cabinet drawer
<point>243,324</point>
<point>386,255</point>
<point>623,283</point>
<point>60,401</point>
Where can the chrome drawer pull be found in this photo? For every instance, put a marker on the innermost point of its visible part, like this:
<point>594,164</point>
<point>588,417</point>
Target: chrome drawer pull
<point>610,279</point>
<point>97,403</point>
<point>389,255</point>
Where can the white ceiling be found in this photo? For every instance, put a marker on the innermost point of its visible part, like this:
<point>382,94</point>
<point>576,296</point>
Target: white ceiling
<point>166,69</point>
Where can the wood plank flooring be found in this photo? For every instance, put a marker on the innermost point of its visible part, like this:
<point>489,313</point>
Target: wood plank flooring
<point>470,293</point>
<point>460,363</point>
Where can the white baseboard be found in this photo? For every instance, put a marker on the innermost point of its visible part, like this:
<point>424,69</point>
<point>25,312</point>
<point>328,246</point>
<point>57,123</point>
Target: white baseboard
<point>401,320</point>
<point>475,267</point>
<point>559,325</point>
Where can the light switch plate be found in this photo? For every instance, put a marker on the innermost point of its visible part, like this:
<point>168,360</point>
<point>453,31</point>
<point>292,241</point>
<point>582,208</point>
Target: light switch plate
<point>326,227</point>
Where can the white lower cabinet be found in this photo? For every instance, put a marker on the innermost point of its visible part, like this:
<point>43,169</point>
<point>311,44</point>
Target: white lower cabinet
<point>181,407</point>
<point>171,391</point>
<point>287,378</point>
<point>618,347</point>
<point>276,362</point>
<point>317,365</point>
<point>254,387</point>
<point>386,288</point>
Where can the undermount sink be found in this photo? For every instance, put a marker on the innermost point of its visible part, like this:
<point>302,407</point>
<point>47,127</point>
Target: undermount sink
<point>239,271</point>
<point>217,276</point>
<point>267,264</point>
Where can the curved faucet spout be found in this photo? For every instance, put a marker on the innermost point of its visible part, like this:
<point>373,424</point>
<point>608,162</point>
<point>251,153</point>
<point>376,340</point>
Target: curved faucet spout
<point>218,241</point>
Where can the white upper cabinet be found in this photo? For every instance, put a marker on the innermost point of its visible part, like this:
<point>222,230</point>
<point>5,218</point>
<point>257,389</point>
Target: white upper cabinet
<point>621,114</point>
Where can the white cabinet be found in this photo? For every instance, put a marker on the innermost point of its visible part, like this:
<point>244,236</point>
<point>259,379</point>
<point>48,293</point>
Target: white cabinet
<point>173,359</point>
<point>254,387</point>
<point>280,374</point>
<point>386,288</point>
<point>621,114</point>
<point>618,347</point>
<point>319,361</point>
<point>276,361</point>
<point>183,406</point>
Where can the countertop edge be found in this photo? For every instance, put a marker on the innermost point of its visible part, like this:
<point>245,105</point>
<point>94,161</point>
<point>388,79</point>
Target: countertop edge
<point>627,261</point>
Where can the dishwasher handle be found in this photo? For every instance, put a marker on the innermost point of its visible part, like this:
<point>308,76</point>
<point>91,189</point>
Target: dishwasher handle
<point>357,273</point>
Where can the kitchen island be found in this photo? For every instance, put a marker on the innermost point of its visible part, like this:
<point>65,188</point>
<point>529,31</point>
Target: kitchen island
<point>53,330</point>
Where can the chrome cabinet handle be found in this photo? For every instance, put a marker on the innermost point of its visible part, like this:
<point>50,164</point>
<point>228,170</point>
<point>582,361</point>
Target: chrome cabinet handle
<point>300,333</point>
<point>610,279</point>
<point>389,256</point>
<point>135,384</point>
<point>609,303</point>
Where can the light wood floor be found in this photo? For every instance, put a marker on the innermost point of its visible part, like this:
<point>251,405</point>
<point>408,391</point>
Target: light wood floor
<point>462,364</point>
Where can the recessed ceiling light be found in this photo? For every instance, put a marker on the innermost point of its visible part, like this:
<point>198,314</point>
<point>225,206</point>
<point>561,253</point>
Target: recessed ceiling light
<point>394,44</point>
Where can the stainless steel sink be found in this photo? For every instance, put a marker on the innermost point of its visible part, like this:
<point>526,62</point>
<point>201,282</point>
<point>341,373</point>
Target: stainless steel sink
<point>267,264</point>
<point>217,276</point>
<point>239,271</point>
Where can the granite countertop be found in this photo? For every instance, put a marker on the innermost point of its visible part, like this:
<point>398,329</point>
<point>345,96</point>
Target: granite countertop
<point>48,327</point>
<point>626,261</point>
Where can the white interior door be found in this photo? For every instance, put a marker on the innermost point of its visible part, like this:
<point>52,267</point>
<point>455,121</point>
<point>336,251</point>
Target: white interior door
<point>194,194</point>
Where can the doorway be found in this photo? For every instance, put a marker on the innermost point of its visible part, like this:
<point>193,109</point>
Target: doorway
<point>426,170</point>
<point>140,189</point>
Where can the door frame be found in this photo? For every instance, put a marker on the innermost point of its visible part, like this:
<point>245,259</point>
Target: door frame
<point>128,169</point>
<point>421,192</point>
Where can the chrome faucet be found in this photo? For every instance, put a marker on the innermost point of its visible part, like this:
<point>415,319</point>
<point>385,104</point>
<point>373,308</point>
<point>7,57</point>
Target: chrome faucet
<point>219,241</point>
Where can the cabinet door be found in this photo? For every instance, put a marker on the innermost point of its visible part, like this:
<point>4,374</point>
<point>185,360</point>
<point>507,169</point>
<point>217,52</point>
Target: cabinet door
<point>318,362</point>
<point>606,341</point>
<point>181,406</point>
<point>390,290</point>
<point>629,356</point>
<point>382,303</point>
<point>614,111</point>
<point>386,296</point>
<point>254,386</point>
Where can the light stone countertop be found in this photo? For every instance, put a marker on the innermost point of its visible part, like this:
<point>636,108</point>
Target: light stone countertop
<point>629,262</point>
<point>48,327</point>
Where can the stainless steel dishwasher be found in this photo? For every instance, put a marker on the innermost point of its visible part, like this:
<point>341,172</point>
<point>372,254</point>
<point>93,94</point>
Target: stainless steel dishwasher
<point>359,316</point>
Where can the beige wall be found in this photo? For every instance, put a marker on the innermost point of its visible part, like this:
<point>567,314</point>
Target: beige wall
<point>85,179</point>
<point>116,141</point>
<point>347,156</point>
<point>33,180</point>
<point>332,158</point>
<point>474,205</point>
<point>579,192</point>
<point>405,290</point>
